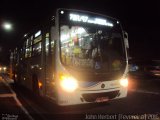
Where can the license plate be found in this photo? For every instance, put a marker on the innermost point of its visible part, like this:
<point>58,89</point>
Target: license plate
<point>102,99</point>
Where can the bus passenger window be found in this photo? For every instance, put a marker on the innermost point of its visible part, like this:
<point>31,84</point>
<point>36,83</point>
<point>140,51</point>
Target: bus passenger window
<point>28,52</point>
<point>47,44</point>
<point>37,49</point>
<point>28,42</point>
<point>52,47</point>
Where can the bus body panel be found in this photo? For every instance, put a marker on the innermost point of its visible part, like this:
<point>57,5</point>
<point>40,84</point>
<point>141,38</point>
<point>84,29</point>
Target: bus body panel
<point>87,95</point>
<point>44,71</point>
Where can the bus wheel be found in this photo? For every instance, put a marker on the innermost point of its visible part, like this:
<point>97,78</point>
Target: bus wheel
<point>35,84</point>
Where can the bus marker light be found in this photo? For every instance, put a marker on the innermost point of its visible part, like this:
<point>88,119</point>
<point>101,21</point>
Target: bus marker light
<point>39,84</point>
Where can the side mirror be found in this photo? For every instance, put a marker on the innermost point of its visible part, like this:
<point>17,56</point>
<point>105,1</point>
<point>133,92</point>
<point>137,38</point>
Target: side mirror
<point>125,34</point>
<point>126,39</point>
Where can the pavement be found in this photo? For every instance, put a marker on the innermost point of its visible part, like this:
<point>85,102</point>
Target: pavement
<point>10,107</point>
<point>143,98</point>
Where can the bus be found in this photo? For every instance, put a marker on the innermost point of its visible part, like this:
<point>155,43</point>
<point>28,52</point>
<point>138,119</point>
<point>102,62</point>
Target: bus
<point>77,57</point>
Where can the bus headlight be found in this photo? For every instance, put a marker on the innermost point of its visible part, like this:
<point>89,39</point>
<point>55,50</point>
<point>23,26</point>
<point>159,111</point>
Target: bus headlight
<point>124,82</point>
<point>68,83</point>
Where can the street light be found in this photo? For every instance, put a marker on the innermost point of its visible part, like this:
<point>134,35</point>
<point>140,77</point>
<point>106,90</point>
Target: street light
<point>7,26</point>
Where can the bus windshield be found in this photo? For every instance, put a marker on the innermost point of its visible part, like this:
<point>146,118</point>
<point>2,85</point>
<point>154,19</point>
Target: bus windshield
<point>92,47</point>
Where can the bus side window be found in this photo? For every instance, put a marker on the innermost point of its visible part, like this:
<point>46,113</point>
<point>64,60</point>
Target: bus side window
<point>52,47</point>
<point>28,52</point>
<point>28,48</point>
<point>47,44</point>
<point>37,45</point>
<point>37,49</point>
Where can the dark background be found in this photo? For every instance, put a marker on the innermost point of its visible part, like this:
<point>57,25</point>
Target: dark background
<point>140,18</point>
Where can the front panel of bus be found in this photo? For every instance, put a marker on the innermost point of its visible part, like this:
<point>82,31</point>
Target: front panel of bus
<point>91,59</point>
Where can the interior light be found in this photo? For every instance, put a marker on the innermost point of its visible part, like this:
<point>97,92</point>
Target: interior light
<point>67,50</point>
<point>64,37</point>
<point>80,30</point>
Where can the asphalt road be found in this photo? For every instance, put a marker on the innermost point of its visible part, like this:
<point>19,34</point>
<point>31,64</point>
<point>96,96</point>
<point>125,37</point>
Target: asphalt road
<point>143,101</point>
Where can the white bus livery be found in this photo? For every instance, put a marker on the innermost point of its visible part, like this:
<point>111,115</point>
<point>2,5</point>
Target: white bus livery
<point>78,57</point>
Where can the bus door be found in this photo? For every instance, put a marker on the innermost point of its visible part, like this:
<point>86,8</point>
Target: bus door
<point>49,60</point>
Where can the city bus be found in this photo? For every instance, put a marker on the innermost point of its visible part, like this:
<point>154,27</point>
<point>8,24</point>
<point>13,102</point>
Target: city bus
<point>77,57</point>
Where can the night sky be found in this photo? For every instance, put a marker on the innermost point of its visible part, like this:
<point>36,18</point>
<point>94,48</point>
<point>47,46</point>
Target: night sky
<point>140,19</point>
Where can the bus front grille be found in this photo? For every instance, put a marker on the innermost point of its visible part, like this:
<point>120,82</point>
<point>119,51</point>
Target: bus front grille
<point>91,97</point>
